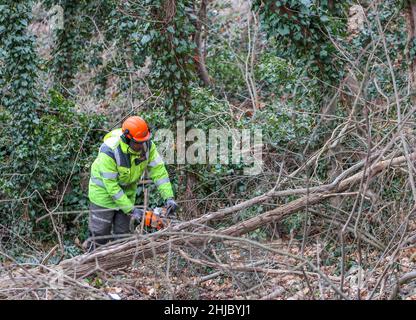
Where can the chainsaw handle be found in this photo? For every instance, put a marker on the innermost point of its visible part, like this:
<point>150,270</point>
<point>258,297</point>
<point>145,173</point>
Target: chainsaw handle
<point>170,213</point>
<point>171,207</point>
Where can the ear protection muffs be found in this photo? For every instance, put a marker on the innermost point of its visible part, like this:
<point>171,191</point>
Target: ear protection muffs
<point>125,136</point>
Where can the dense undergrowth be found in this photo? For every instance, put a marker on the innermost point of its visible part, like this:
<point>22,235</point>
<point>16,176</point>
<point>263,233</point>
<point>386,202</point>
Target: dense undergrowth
<point>323,80</point>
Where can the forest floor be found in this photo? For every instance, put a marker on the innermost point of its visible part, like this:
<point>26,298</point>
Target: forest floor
<point>235,271</point>
<point>152,279</point>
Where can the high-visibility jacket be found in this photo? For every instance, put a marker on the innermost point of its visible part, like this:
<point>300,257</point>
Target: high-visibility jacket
<point>116,171</point>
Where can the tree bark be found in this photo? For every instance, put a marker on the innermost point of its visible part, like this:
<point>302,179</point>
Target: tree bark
<point>199,42</point>
<point>412,34</point>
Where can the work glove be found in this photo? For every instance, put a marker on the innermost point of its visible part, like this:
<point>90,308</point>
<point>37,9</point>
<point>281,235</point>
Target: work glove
<point>137,214</point>
<point>171,207</point>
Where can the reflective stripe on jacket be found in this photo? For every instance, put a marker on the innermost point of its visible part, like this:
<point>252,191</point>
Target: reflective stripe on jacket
<point>116,171</point>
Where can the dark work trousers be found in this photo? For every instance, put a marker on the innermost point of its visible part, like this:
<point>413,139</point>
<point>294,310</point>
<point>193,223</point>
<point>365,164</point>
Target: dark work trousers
<point>104,223</point>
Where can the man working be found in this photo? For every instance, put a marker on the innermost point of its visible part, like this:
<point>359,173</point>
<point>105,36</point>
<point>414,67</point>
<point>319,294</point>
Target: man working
<point>115,173</point>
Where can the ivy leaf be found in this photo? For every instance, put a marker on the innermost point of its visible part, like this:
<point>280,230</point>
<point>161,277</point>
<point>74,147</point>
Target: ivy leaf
<point>145,39</point>
<point>324,18</point>
<point>283,30</point>
<point>306,3</point>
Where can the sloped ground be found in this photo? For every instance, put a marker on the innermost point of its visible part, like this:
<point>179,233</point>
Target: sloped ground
<point>183,280</point>
<point>232,271</point>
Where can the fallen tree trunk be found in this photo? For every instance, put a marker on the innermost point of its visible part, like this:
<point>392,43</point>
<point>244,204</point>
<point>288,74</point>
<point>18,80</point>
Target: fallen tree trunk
<point>139,248</point>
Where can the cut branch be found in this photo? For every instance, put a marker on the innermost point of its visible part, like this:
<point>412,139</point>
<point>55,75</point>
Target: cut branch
<point>136,248</point>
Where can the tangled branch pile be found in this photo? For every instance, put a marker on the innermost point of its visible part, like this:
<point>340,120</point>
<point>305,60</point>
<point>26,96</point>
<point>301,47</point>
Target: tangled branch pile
<point>196,234</point>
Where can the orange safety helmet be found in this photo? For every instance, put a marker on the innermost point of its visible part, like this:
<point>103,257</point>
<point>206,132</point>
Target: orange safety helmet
<point>136,128</point>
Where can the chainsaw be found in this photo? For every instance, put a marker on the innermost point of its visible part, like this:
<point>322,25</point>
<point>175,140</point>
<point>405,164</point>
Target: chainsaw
<point>156,219</point>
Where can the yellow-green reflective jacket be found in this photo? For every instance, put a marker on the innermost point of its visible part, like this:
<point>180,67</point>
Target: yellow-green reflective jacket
<point>116,171</point>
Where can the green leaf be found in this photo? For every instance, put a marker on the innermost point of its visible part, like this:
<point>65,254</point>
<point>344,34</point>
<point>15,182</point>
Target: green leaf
<point>324,18</point>
<point>283,30</point>
<point>145,39</point>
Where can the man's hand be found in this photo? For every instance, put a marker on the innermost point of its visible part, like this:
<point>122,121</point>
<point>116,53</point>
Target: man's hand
<point>171,207</point>
<point>137,214</point>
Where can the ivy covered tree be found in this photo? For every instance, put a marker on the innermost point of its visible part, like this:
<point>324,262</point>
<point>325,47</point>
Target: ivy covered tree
<point>162,31</point>
<point>20,97</point>
<point>42,132</point>
<point>304,29</point>
<point>74,47</point>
